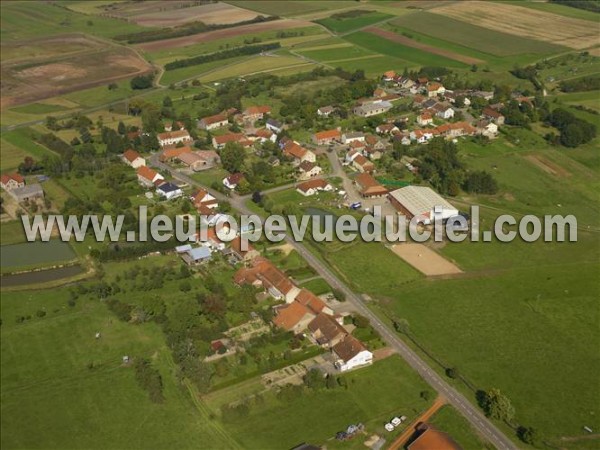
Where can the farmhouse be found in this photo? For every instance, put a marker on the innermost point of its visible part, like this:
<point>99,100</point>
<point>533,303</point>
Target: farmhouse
<point>29,192</point>
<point>294,317</point>
<point>264,274</point>
<point>493,115</point>
<point>213,122</point>
<point>362,164</point>
<point>264,135</point>
<point>326,137</point>
<point>196,256</point>
<point>254,113</point>
<point>203,198</point>
<point>133,159</point>
<point>193,161</point>
<point>326,330</point>
<point>434,89</point>
<point>421,136</point>
<point>443,111</point>
<point>10,181</point>
<point>351,353</point>
<point>170,154</point>
<point>368,186</point>
<point>233,180</point>
<point>308,170</point>
<point>173,137</point>
<point>325,111</point>
<point>312,187</point>
<point>147,176</point>
<point>298,153</point>
<point>354,136</point>
<point>219,142</point>
<point>372,108</point>
<point>386,128</point>
<point>424,119</point>
<point>243,255</point>
<point>486,128</point>
<point>169,191</point>
<point>421,202</point>
<point>314,303</point>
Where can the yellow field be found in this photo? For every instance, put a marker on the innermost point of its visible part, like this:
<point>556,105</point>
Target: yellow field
<point>511,19</point>
<point>255,65</point>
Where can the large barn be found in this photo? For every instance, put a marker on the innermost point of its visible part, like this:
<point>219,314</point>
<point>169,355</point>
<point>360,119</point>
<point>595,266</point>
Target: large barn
<point>420,201</point>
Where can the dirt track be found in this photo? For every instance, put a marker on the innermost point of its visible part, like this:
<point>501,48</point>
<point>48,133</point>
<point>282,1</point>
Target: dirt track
<point>184,41</point>
<point>425,260</point>
<point>391,36</point>
<point>547,166</point>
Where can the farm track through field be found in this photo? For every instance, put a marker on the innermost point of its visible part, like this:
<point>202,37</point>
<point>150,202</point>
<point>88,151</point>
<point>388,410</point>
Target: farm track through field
<point>393,37</point>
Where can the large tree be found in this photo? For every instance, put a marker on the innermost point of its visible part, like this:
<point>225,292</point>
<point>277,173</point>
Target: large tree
<point>233,157</point>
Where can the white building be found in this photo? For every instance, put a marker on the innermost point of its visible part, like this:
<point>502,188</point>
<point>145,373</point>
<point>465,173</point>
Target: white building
<point>133,159</point>
<point>350,354</point>
<point>422,202</point>
<point>372,108</point>
<point>169,191</point>
<point>348,138</point>
<point>174,137</point>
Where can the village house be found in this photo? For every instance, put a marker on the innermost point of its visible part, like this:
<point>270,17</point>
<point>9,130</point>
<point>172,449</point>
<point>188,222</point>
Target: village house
<point>369,187</point>
<point>353,153</point>
<point>372,153</point>
<point>298,153</point>
<point>254,113</point>
<point>429,103</point>
<point>308,170</point>
<point>390,75</point>
<point>486,95</point>
<point>312,187</point>
<point>263,273</point>
<point>193,161</point>
<point>326,330</point>
<point>233,180</point>
<point>203,198</point>
<point>493,115</point>
<point>451,96</point>
<point>424,119</point>
<point>196,256</point>
<point>486,128</point>
<point>314,303</point>
<point>169,191</point>
<point>220,142</point>
<point>170,154</point>
<point>443,111</point>
<point>274,125</point>
<point>325,111</point>
<point>147,176</point>
<point>27,192</point>
<point>362,164</point>
<point>434,89</point>
<point>386,128</point>
<point>179,125</point>
<point>351,353</point>
<point>133,159</point>
<point>174,137</point>
<point>294,317</point>
<point>213,122</point>
<point>352,136</point>
<point>421,136</point>
<point>10,181</point>
<point>359,146</point>
<point>264,135</point>
<point>245,256</point>
<point>327,137</point>
<point>372,108</point>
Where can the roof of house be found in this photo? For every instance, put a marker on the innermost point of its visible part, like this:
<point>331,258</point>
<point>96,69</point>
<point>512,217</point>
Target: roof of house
<point>348,348</point>
<point>389,74</point>
<point>362,161</point>
<point>490,112</point>
<point>327,134</point>
<point>190,158</point>
<point>229,137</point>
<point>295,150</point>
<point>264,133</point>
<point>386,127</point>
<point>208,155</point>
<point>425,116</point>
<point>174,153</point>
<point>214,119</point>
<point>317,183</point>
<point>434,86</point>
<point>354,135</point>
<point>307,166</point>
<point>419,200</point>
<point>265,272</point>
<point>288,316</point>
<point>6,177</point>
<point>369,185</point>
<point>328,327</point>
<point>311,301</point>
<point>173,134</point>
<point>275,123</point>
<point>168,187</point>
<point>251,110</point>
<point>236,246</point>
<point>199,253</point>
<point>235,178</point>
<point>147,173</point>
<point>373,106</point>
<point>131,155</point>
<point>431,438</point>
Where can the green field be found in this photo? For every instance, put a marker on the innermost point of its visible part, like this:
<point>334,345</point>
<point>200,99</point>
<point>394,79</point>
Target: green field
<point>291,7</point>
<point>417,57</point>
<point>345,25</point>
<point>52,398</point>
<point>334,54</point>
<point>317,416</point>
<point>449,420</point>
<point>474,37</point>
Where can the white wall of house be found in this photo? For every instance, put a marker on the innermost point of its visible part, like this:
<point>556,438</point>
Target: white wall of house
<point>361,359</point>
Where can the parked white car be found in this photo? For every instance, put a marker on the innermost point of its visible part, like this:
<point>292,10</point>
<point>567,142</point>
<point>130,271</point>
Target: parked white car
<point>396,421</point>
<point>389,427</point>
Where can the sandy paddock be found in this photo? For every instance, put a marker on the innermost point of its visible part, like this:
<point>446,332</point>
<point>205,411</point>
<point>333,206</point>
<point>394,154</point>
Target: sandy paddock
<point>425,260</point>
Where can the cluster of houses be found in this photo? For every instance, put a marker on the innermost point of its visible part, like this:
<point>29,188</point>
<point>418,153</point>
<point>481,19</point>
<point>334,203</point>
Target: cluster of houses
<point>150,178</point>
<point>15,186</point>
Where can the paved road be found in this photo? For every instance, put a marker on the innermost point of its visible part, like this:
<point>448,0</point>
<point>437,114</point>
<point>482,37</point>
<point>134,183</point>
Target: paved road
<point>455,398</point>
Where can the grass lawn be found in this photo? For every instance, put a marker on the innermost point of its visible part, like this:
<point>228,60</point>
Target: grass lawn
<point>374,395</point>
<point>339,25</point>
<point>17,144</point>
<point>51,398</point>
<point>12,232</point>
<point>210,176</point>
<point>317,286</point>
<point>449,420</point>
<point>253,65</point>
<point>338,53</point>
<point>290,7</point>
<point>39,108</point>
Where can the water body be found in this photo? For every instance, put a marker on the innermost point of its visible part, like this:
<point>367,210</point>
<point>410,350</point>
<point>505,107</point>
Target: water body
<point>35,253</point>
<point>40,276</point>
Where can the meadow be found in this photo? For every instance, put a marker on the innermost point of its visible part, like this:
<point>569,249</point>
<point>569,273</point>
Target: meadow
<point>449,420</point>
<point>345,25</point>
<point>291,7</point>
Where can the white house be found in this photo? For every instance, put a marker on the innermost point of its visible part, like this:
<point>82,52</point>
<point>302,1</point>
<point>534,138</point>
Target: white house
<point>351,353</point>
<point>169,191</point>
<point>312,187</point>
<point>424,119</point>
<point>434,89</point>
<point>133,159</point>
<point>174,137</point>
<point>12,181</point>
<point>213,122</point>
<point>443,111</point>
<point>325,111</point>
<point>421,136</point>
<point>348,138</point>
<point>233,180</point>
<point>147,177</point>
<point>274,125</point>
<point>372,108</point>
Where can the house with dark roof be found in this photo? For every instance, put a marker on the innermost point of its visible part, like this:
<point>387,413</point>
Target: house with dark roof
<point>350,353</point>
<point>233,180</point>
<point>27,192</point>
<point>326,330</point>
<point>274,125</point>
<point>169,191</point>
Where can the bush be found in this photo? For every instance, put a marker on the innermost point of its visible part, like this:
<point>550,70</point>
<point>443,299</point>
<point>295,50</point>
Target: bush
<point>142,81</point>
<point>40,313</point>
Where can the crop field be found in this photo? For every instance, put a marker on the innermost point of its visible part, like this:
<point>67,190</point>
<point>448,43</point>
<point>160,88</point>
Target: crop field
<point>472,36</point>
<point>344,25</point>
<point>155,14</point>
<point>291,7</point>
<point>31,81</point>
<point>255,65</point>
<point>337,53</point>
<point>375,65</point>
<point>241,31</point>
<point>512,19</point>
<point>319,415</point>
<point>386,47</point>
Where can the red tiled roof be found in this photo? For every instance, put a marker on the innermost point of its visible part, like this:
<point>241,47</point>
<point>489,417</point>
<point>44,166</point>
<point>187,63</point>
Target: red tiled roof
<point>229,137</point>
<point>214,119</point>
<point>12,176</point>
<point>328,134</point>
<point>288,316</point>
<point>147,173</point>
<point>171,153</point>
<point>131,155</point>
<point>312,184</point>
